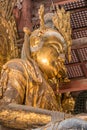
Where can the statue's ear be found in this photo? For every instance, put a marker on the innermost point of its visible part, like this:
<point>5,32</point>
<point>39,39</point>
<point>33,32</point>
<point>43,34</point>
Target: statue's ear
<point>25,54</point>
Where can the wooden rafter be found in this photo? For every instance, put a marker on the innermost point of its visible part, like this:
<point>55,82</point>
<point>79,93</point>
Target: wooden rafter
<point>63,1</point>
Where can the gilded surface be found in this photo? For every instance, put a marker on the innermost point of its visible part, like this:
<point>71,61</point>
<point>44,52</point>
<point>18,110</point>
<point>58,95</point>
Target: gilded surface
<point>8,32</point>
<point>24,120</point>
<point>24,79</point>
<point>31,79</point>
<point>64,27</point>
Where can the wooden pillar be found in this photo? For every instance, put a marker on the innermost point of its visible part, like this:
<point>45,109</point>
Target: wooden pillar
<point>25,16</point>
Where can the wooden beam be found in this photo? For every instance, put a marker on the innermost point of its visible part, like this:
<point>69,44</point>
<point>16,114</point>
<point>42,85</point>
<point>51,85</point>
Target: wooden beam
<point>60,2</point>
<point>74,85</point>
<point>79,43</point>
<point>79,29</point>
<point>26,12</point>
<point>78,10</point>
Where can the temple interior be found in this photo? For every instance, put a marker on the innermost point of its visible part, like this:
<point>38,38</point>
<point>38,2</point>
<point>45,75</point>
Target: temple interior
<point>15,17</point>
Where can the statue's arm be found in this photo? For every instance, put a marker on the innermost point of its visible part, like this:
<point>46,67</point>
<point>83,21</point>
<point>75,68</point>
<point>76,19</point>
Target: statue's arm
<point>23,117</point>
<point>13,83</point>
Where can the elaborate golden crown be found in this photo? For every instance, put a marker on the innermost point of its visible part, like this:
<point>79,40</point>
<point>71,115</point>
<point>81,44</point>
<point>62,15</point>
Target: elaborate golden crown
<point>61,21</point>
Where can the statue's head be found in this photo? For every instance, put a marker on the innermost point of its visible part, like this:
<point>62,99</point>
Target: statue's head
<point>49,43</point>
<point>46,47</point>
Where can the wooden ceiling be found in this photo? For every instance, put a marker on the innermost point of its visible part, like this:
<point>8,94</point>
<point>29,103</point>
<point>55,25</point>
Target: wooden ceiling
<point>78,9</point>
<point>78,18</point>
<point>77,68</point>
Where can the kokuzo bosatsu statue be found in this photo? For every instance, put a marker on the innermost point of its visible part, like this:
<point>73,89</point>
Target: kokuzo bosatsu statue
<point>29,80</point>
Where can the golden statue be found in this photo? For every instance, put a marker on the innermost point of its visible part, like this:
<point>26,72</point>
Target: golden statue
<point>30,80</point>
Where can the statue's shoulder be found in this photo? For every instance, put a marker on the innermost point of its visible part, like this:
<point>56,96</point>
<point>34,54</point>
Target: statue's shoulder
<point>15,64</point>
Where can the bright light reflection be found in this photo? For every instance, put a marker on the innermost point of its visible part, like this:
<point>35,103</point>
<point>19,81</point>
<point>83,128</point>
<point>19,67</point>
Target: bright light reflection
<point>45,61</point>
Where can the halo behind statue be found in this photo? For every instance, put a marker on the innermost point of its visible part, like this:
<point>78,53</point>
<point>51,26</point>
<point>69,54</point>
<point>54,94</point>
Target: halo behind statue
<point>8,33</point>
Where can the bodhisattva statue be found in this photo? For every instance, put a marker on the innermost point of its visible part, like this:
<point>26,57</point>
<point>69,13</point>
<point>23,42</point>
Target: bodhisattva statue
<point>29,80</point>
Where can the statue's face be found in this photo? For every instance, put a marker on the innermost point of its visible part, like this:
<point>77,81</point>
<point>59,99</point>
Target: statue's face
<point>51,49</point>
<point>47,61</point>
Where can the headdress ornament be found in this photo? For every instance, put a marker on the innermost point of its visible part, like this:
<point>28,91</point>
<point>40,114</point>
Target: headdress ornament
<point>61,21</point>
